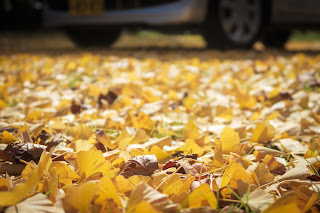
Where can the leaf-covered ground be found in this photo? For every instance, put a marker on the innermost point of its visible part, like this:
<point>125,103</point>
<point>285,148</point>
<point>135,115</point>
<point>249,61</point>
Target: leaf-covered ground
<point>159,130</point>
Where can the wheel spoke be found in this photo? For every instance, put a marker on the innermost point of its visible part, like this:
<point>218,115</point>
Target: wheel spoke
<point>229,24</point>
<point>240,19</point>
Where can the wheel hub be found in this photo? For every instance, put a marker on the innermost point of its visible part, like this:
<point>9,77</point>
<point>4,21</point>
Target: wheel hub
<point>240,19</point>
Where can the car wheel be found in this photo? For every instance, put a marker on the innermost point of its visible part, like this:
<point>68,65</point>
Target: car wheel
<point>93,38</point>
<point>232,23</point>
<point>276,39</point>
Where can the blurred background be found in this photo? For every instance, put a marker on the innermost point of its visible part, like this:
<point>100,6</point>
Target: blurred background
<point>36,24</point>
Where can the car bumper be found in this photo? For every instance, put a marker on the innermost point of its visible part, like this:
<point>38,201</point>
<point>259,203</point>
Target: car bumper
<point>180,12</point>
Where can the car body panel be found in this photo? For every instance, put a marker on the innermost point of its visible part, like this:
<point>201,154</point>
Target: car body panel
<point>295,12</point>
<point>180,12</point>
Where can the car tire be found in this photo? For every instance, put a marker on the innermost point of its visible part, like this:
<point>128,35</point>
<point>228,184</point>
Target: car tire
<point>275,39</point>
<point>232,23</point>
<point>93,38</point>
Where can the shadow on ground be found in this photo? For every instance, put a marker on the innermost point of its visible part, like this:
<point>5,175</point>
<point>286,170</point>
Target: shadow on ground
<point>54,42</point>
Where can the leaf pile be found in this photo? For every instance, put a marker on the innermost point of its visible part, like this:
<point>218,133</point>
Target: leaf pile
<point>159,133</point>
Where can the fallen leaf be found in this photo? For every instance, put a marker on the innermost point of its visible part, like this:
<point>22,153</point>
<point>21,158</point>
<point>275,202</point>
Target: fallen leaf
<point>107,190</point>
<point>144,192</point>
<point>202,196</point>
<point>90,162</point>
<point>22,190</point>
<point>37,203</point>
<point>140,165</point>
<point>230,141</point>
<point>263,132</point>
<point>79,198</point>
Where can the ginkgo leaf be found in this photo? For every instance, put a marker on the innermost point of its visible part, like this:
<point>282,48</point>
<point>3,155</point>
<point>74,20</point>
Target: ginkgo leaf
<point>22,190</point>
<point>224,112</point>
<point>145,122</point>
<point>4,184</point>
<point>140,137</point>
<point>123,184</point>
<point>90,162</point>
<point>191,131</point>
<point>66,175</point>
<point>144,192</point>
<point>173,184</point>
<point>160,154</point>
<point>79,198</point>
<point>38,203</point>
<point>202,196</point>
<point>190,147</point>
<point>136,179</point>
<point>287,203</point>
<point>233,173</point>
<point>259,200</point>
<point>273,164</point>
<point>144,206</point>
<point>7,137</point>
<point>230,141</point>
<point>263,132</point>
<point>80,132</point>
<point>82,145</point>
<point>103,138</point>
<point>107,190</point>
<point>262,173</point>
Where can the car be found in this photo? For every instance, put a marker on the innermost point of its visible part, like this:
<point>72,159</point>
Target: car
<point>224,24</point>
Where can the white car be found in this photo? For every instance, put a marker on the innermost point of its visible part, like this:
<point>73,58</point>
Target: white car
<point>223,23</point>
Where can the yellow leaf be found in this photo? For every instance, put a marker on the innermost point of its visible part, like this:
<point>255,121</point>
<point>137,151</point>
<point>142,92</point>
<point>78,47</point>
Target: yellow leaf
<point>140,137</point>
<point>189,102</point>
<point>94,90</point>
<point>81,145</point>
<point>131,120</point>
<point>217,158</point>
<point>7,137</point>
<point>90,162</point>
<point>103,138</point>
<point>123,184</point>
<point>107,190</point>
<point>172,185</point>
<point>263,132</point>
<point>145,122</point>
<point>34,116</point>
<point>224,112</point>
<point>230,141</point>
<point>172,95</point>
<point>79,198</point>
<point>287,203</point>
<point>21,191</point>
<point>66,175</point>
<point>2,104</point>
<point>272,163</point>
<point>4,184</point>
<point>136,179</point>
<point>233,173</point>
<point>191,131</point>
<point>306,198</point>
<point>160,154</point>
<point>144,192</point>
<point>58,126</point>
<point>4,92</point>
<point>111,124</point>
<point>190,147</point>
<point>202,196</point>
<point>144,206</point>
<point>263,174</point>
<point>123,139</point>
<point>80,132</point>
<point>245,100</point>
